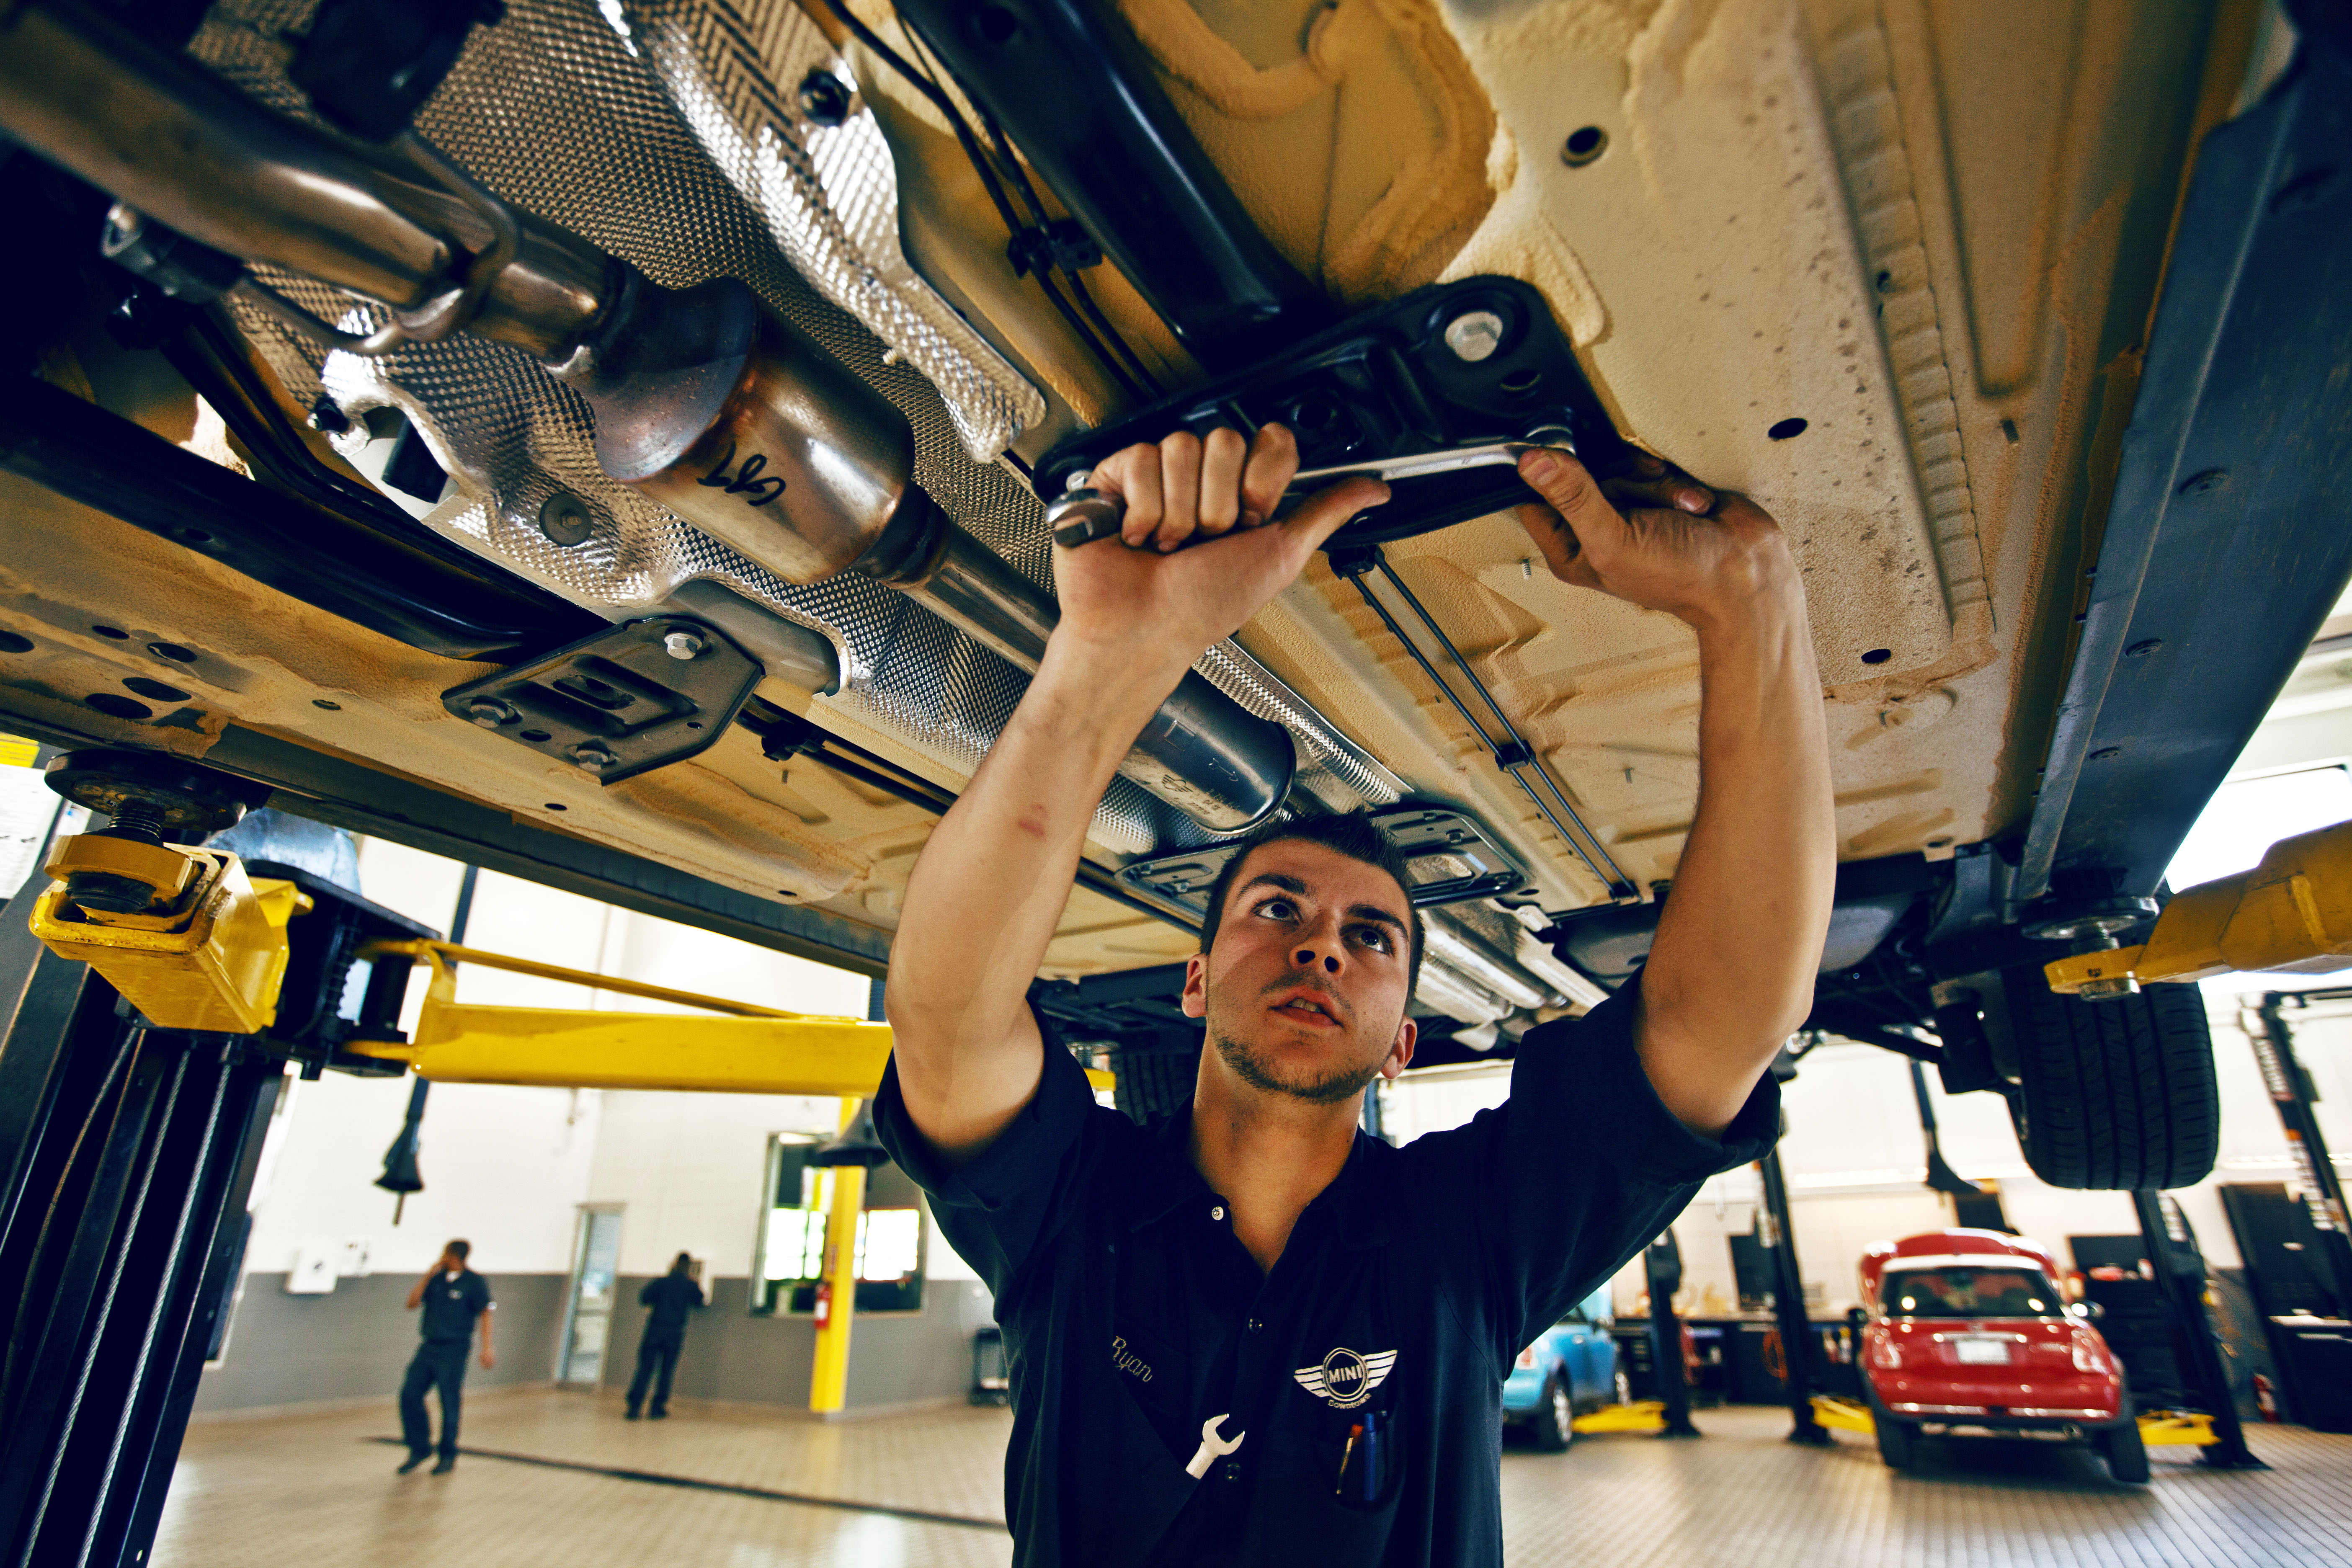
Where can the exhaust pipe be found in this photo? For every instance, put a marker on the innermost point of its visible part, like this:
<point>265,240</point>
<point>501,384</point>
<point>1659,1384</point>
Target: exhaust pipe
<point>752,432</point>
<point>705,402</point>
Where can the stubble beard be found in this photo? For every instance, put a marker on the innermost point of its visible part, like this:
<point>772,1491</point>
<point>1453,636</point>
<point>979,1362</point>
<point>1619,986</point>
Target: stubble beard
<point>1252,1066</point>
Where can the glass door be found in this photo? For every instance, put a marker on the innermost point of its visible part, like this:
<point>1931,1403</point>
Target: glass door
<point>596,1274</point>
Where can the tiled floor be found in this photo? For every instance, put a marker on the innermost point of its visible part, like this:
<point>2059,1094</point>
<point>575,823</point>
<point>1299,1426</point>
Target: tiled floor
<point>319,1490</point>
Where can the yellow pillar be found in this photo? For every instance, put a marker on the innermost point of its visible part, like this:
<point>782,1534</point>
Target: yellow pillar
<point>829,1380</point>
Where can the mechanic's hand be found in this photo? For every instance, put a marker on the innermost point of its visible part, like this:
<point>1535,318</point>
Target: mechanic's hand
<point>489,1362</point>
<point>1656,538</point>
<point>1214,498</point>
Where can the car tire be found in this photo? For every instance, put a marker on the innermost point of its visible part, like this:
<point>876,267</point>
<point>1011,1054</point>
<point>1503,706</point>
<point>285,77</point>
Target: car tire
<point>1898,1441</point>
<point>2115,1094</point>
<point>2124,1455</point>
<point>1552,1427</point>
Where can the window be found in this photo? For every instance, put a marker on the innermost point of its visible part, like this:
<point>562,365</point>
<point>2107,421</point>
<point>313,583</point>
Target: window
<point>1971,1292</point>
<point>890,1245</point>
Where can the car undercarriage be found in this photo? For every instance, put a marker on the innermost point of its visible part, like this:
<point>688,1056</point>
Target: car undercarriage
<point>613,445</point>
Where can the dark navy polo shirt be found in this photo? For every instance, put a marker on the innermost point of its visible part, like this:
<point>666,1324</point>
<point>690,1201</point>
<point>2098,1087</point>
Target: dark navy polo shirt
<point>450,1306</point>
<point>671,1297</point>
<point>1133,1318</point>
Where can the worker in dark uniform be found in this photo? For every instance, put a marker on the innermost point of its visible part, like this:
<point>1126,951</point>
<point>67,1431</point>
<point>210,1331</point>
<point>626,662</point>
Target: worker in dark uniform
<point>453,1299</point>
<point>1252,1334</point>
<point>671,1297</point>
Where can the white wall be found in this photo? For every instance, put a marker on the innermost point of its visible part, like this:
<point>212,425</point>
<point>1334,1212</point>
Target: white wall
<point>503,1167</point>
<point>508,1168</point>
<point>687,1171</point>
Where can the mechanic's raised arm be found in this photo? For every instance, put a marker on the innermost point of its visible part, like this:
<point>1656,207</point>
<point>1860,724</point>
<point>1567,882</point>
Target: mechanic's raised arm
<point>1196,560</point>
<point>1731,973</point>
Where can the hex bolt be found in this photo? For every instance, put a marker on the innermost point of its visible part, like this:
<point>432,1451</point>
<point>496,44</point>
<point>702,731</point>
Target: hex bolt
<point>683,645</point>
<point>1475,335</point>
<point>490,712</point>
<point>824,99</point>
<point>564,521</point>
<point>326,417</point>
<point>592,757</point>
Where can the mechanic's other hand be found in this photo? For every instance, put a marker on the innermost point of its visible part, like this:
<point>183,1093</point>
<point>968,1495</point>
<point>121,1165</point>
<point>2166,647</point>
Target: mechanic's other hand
<point>1655,538</point>
<point>1215,498</point>
<point>489,1361</point>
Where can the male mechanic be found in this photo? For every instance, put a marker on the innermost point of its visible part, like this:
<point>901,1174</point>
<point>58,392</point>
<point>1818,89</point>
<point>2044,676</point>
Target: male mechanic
<point>1252,1334</point>
<point>452,1297</point>
<point>671,1297</point>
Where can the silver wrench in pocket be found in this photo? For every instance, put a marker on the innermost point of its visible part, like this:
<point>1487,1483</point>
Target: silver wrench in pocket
<point>1080,515</point>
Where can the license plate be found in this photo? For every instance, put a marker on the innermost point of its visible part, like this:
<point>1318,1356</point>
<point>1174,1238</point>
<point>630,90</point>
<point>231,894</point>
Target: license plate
<point>1982,1352</point>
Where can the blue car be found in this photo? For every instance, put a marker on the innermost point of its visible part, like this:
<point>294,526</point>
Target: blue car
<point>1572,1368</point>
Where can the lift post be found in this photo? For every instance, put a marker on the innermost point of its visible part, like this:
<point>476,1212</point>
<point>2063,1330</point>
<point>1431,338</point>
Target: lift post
<point>2291,1093</point>
<point>1779,1238</point>
<point>2179,1266</point>
<point>838,1291</point>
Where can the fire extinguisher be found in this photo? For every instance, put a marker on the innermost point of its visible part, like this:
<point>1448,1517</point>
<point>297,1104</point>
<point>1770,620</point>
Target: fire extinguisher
<point>823,1303</point>
<point>2265,1398</point>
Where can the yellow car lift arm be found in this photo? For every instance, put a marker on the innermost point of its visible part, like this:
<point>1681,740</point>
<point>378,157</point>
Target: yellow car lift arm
<point>757,1051</point>
<point>2292,914</point>
<point>208,952</point>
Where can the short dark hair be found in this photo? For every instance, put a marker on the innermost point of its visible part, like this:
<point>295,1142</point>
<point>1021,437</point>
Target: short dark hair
<point>462,1249</point>
<point>685,1261</point>
<point>1353,834</point>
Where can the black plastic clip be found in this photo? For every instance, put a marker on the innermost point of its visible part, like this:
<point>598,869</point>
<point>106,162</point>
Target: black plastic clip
<point>1064,243</point>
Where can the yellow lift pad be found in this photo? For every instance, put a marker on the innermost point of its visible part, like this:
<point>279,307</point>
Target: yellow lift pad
<point>1641,1415</point>
<point>2157,1427</point>
<point>208,956</point>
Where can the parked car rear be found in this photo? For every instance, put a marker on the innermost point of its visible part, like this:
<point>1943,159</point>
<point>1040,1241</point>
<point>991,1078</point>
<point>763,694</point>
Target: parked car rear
<point>1968,1330</point>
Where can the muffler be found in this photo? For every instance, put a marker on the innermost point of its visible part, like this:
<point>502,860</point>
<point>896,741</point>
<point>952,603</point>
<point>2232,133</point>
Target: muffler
<point>705,402</point>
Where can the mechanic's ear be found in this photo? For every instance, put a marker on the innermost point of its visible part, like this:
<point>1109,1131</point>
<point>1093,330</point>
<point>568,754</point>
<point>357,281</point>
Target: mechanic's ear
<point>1196,987</point>
<point>1400,1055</point>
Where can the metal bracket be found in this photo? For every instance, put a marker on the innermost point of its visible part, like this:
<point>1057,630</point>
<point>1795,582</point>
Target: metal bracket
<point>627,700</point>
<point>1451,856</point>
<point>1454,365</point>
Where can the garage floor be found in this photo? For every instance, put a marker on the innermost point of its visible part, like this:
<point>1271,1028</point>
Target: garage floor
<point>557,1478</point>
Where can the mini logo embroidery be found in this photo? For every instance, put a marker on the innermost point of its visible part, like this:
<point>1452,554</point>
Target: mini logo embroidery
<point>1345,1378</point>
<point>1127,1361</point>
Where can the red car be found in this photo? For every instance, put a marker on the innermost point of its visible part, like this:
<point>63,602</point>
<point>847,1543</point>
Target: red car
<point>1967,1329</point>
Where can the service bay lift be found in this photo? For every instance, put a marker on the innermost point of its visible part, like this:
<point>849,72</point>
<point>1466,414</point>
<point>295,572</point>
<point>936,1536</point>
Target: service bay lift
<point>154,997</point>
<point>151,1005</point>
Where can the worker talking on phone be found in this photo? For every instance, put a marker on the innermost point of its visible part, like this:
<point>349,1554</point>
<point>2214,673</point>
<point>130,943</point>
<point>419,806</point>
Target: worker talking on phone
<point>1252,1334</point>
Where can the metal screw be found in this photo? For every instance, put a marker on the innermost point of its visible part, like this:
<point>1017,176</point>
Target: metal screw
<point>2211,479</point>
<point>327,418</point>
<point>682,645</point>
<point>2142,649</point>
<point>824,99</point>
<point>490,712</point>
<point>564,521</point>
<point>592,758</point>
<point>1475,335</point>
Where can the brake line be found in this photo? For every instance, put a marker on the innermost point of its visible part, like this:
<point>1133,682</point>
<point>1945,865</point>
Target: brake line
<point>984,167</point>
<point>1514,756</point>
<point>784,734</point>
